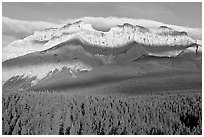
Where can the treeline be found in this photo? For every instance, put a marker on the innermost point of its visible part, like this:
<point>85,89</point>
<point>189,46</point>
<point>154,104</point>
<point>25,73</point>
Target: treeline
<point>56,113</point>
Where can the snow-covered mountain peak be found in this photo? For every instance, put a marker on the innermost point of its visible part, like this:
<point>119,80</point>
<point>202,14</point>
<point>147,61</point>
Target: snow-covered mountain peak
<point>118,36</point>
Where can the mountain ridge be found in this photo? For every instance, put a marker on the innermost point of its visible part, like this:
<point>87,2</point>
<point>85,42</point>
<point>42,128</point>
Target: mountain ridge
<point>82,48</point>
<point>116,36</point>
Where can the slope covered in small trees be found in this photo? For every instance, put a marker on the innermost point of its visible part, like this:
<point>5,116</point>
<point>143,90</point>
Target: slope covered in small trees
<point>57,113</point>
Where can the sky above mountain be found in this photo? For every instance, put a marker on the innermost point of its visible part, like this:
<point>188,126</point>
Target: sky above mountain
<point>27,17</point>
<point>184,14</point>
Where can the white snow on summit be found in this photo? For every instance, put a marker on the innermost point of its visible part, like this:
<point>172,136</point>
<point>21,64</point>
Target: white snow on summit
<point>145,32</point>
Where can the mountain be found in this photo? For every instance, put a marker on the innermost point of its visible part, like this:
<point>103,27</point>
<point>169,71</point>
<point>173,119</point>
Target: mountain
<point>81,54</point>
<point>117,36</point>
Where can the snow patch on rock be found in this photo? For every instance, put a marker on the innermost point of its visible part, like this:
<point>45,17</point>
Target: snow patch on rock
<point>41,71</point>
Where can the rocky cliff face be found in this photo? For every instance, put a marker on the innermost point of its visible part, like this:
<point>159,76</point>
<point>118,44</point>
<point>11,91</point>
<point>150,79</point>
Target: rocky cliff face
<point>117,36</point>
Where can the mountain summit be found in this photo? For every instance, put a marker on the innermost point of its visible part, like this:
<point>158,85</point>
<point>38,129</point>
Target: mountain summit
<point>117,36</point>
